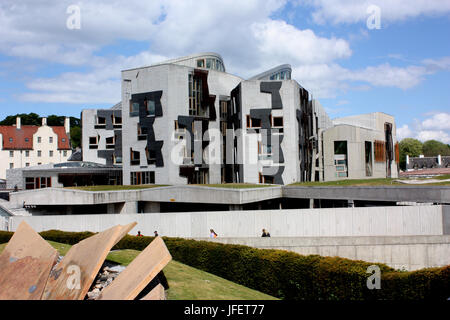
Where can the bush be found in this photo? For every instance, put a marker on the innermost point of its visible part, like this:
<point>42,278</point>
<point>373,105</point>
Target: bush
<point>5,236</point>
<point>287,275</point>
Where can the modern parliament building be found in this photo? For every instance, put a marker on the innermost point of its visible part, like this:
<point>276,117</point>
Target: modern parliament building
<point>188,121</point>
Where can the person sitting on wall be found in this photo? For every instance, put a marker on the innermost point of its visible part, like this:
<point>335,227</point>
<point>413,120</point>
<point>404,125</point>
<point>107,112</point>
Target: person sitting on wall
<point>212,233</point>
<point>139,234</point>
<point>265,233</point>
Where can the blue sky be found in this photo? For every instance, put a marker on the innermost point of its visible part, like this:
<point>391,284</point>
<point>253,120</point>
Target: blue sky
<point>402,69</point>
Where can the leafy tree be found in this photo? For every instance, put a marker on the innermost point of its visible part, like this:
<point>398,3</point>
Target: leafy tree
<point>75,137</point>
<point>433,148</point>
<point>411,147</point>
<point>26,119</point>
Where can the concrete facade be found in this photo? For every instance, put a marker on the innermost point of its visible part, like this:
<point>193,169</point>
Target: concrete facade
<point>356,132</point>
<point>401,237</point>
<point>336,222</point>
<point>408,253</point>
<point>187,121</point>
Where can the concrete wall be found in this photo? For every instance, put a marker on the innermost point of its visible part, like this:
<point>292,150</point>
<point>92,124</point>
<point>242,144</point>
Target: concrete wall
<point>408,252</point>
<point>3,223</point>
<point>337,222</point>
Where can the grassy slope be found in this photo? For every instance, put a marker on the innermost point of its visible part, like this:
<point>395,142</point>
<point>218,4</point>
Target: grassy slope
<point>186,283</point>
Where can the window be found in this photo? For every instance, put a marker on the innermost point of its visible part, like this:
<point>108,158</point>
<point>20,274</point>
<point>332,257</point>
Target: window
<point>134,109</point>
<point>27,164</point>
<point>27,140</point>
<point>101,120</point>
<point>264,151</point>
<point>11,154</point>
<point>63,139</point>
<point>27,153</point>
<point>118,120</point>
<point>39,153</point>
<point>340,159</point>
<point>10,139</point>
<point>39,163</point>
<point>11,165</point>
<point>201,63</point>
<point>50,139</point>
<point>110,140</point>
<point>223,109</point>
<point>135,157</point>
<point>38,183</point>
<point>65,153</point>
<point>93,144</point>
<point>147,177</point>
<point>368,158</point>
<point>50,153</point>
<point>151,156</point>
<point>150,107</point>
<point>340,147</point>
<point>253,122</point>
<point>195,95</point>
<point>39,139</point>
<point>277,121</point>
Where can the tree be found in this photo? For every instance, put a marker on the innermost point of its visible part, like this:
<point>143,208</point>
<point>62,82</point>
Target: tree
<point>411,147</point>
<point>433,148</point>
<point>75,137</point>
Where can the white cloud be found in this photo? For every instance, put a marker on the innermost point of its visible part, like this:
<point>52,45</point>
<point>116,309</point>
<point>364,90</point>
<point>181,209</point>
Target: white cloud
<point>355,11</point>
<point>436,127</point>
<point>243,32</point>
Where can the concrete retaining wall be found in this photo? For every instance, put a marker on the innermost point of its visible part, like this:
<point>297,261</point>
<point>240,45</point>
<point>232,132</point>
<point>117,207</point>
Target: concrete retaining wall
<point>3,224</point>
<point>372,221</point>
<point>408,252</point>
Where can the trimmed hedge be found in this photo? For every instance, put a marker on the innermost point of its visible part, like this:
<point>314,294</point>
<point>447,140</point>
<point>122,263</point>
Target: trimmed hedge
<point>285,274</point>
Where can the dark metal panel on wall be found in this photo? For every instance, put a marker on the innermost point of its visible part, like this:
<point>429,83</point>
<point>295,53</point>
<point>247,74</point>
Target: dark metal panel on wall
<point>147,121</point>
<point>273,87</point>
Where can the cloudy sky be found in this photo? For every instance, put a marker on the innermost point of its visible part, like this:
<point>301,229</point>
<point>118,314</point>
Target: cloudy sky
<point>355,56</point>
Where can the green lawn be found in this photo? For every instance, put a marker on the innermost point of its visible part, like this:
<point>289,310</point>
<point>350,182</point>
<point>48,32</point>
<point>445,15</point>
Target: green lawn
<point>185,282</point>
<point>371,182</point>
<point>236,185</point>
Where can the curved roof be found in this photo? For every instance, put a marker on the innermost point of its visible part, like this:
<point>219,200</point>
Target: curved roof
<point>268,73</point>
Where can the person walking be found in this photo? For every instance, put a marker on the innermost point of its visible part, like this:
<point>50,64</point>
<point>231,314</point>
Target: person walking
<point>212,233</point>
<point>139,234</point>
<point>265,233</point>
<point>156,233</point>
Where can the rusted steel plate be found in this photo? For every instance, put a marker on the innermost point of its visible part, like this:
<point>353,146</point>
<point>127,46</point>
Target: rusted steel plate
<point>73,276</point>
<point>25,265</point>
<point>139,272</point>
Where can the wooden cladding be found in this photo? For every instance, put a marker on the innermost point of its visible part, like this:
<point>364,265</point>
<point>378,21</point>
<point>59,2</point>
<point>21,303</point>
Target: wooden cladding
<point>380,151</point>
<point>397,153</point>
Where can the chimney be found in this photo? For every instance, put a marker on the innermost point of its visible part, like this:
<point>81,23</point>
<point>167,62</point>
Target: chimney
<point>67,125</point>
<point>44,121</point>
<point>18,123</point>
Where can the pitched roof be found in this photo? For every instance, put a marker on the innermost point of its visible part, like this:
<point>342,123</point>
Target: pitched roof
<point>61,132</point>
<point>18,139</point>
<point>22,139</point>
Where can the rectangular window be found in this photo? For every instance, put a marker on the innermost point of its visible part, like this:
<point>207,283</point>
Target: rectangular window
<point>195,95</point>
<point>340,147</point>
<point>27,153</point>
<point>110,144</point>
<point>39,139</point>
<point>201,63</point>
<point>39,153</point>
<point>368,158</point>
<point>117,120</point>
<point>150,107</point>
<point>65,153</point>
<point>101,120</point>
<point>135,157</point>
<point>134,109</point>
<point>93,143</point>
<point>50,140</point>
<point>50,153</point>
<point>223,109</point>
<point>340,159</point>
<point>138,178</point>
<point>27,164</point>
<point>11,154</point>
<point>277,122</point>
<point>11,165</point>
